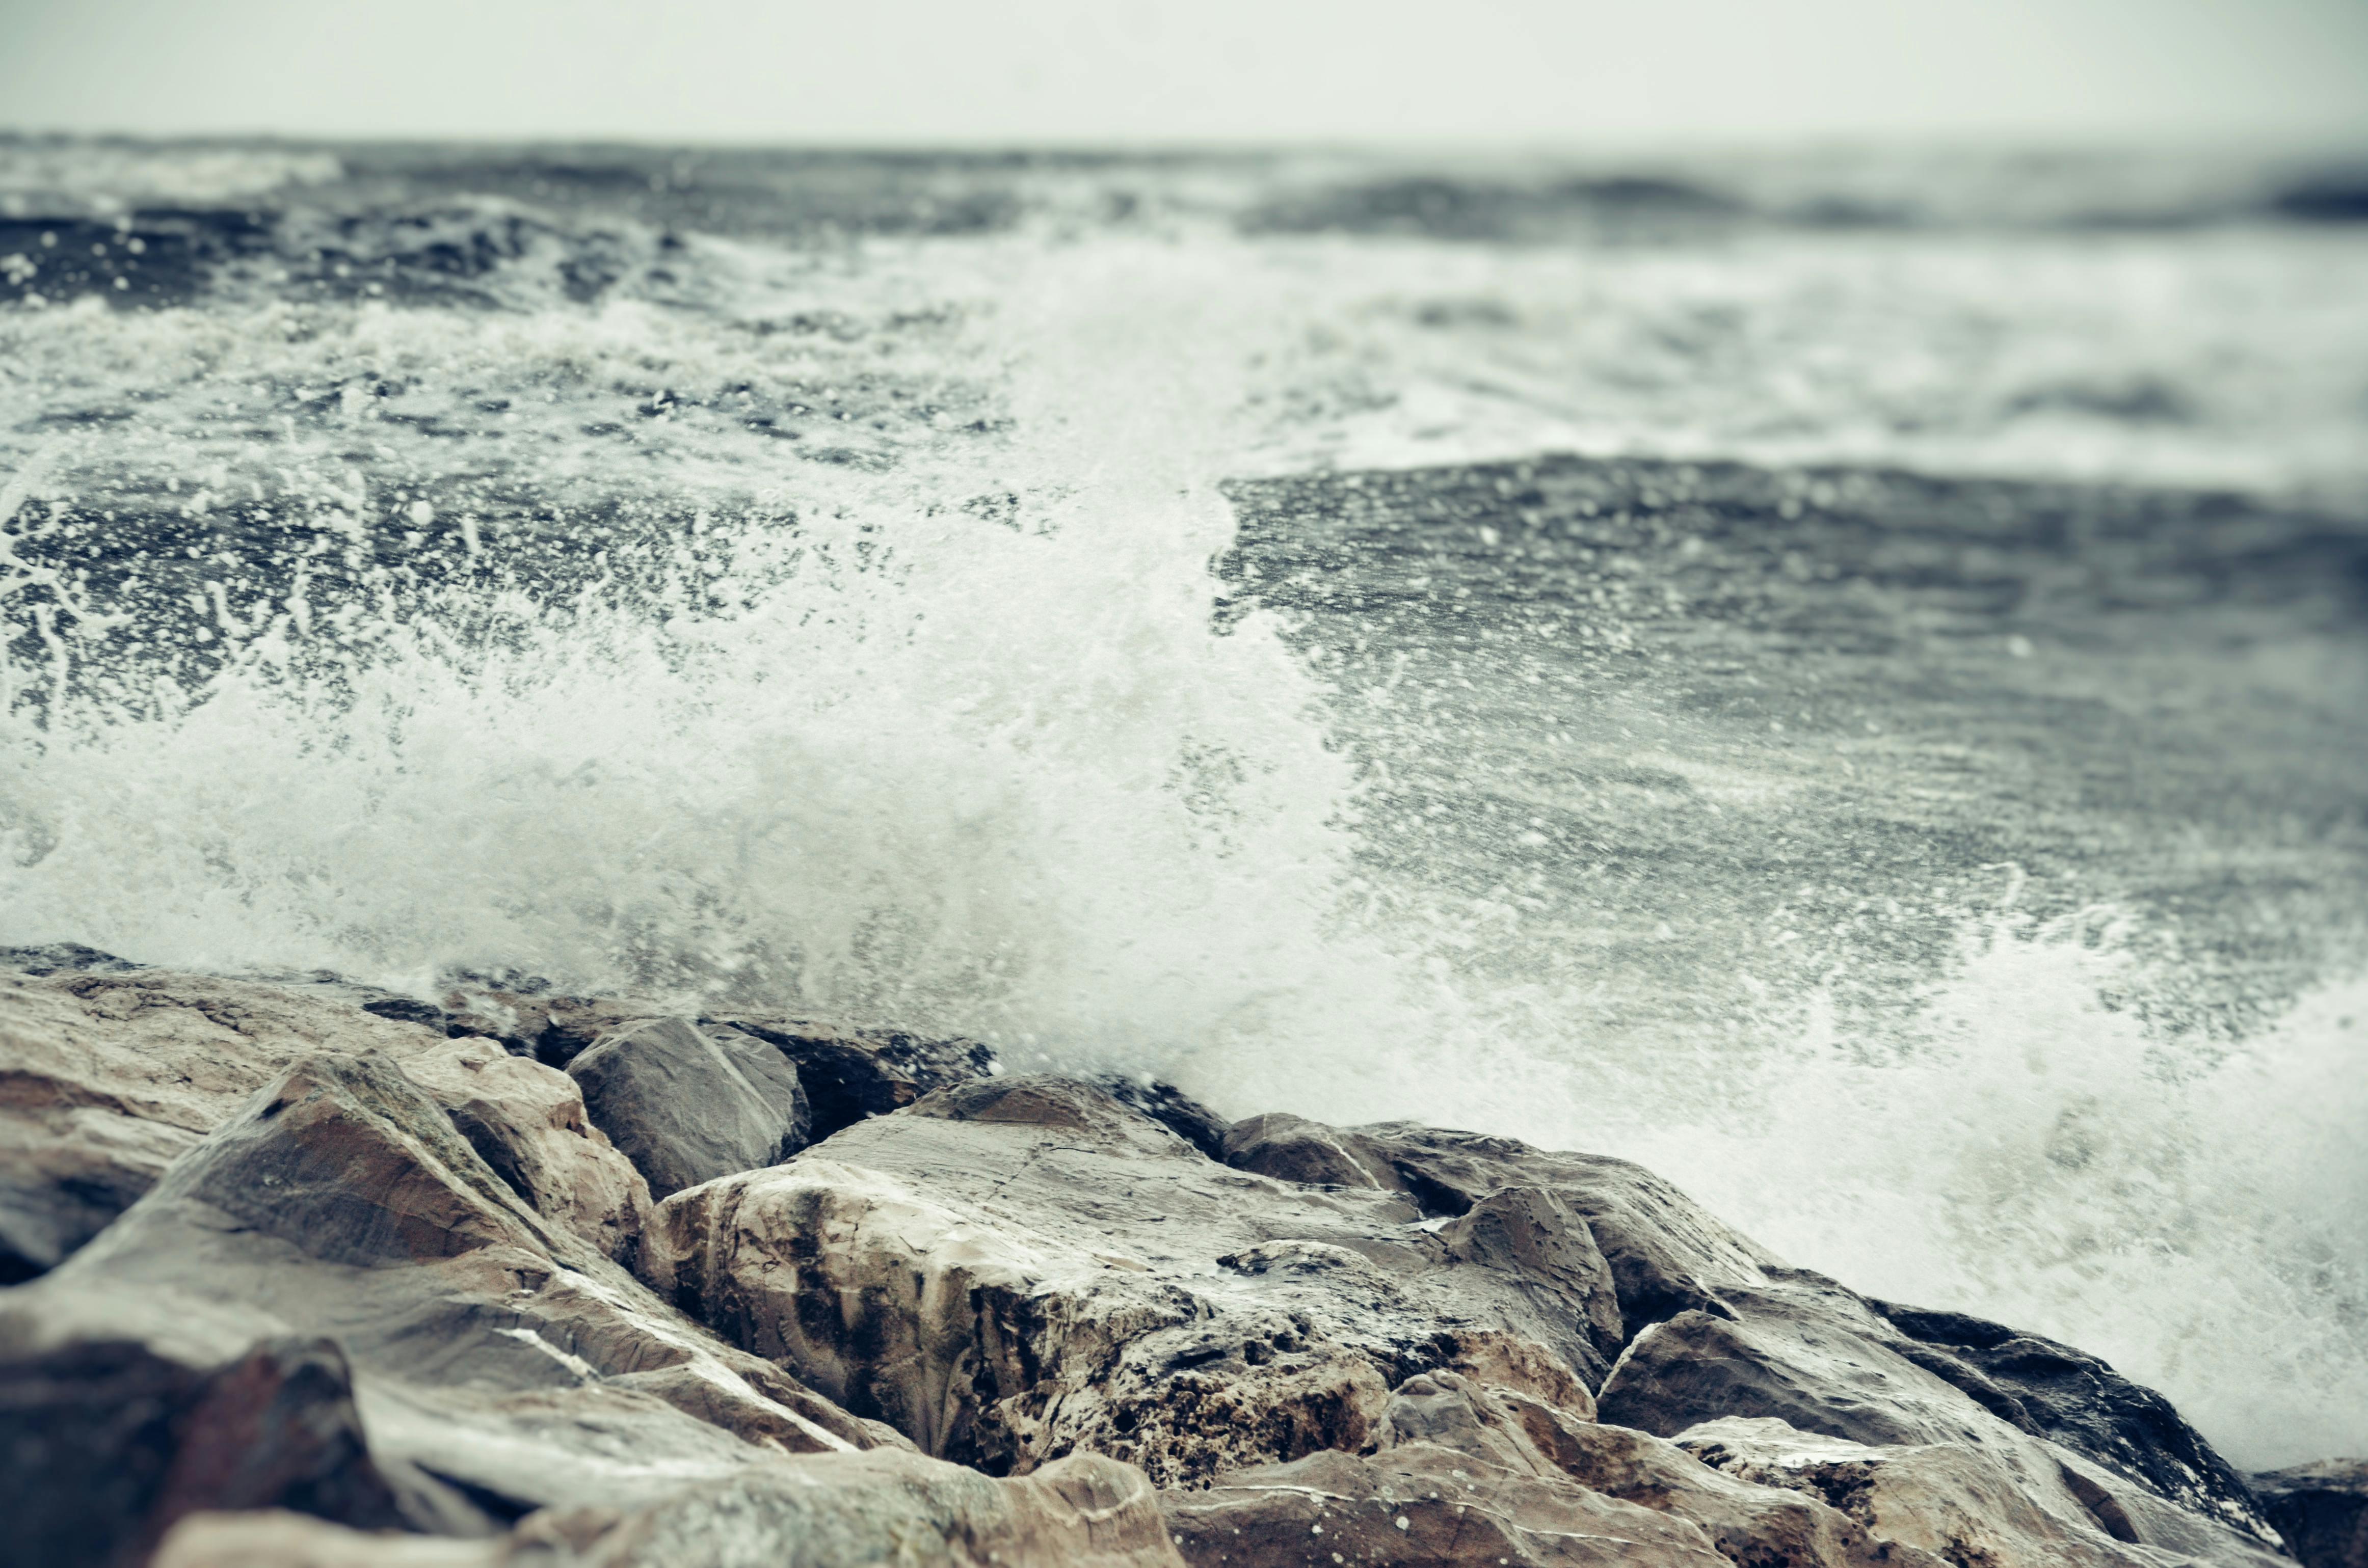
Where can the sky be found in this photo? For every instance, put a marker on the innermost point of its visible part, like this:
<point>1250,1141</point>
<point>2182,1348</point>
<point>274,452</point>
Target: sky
<point>1532,72</point>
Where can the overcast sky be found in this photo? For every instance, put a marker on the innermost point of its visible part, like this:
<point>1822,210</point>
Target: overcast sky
<point>1097,72</point>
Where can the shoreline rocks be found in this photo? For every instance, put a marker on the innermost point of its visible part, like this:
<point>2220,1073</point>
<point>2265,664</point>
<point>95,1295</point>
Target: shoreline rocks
<point>2321,1509</point>
<point>308,1274</point>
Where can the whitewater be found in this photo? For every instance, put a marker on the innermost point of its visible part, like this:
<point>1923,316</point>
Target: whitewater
<point>1844,679</point>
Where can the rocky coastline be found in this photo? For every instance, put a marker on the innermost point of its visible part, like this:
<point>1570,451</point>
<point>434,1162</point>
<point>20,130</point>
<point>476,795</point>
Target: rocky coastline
<point>303,1274</point>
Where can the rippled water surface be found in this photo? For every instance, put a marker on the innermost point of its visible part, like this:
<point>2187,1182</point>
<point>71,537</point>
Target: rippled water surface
<point>1845,678</point>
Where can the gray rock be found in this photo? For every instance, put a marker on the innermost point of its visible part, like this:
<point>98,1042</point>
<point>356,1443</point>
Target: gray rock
<point>1172,1108</point>
<point>71,958</point>
<point>1705,1311</point>
<point>500,1362</point>
<point>1964,1502</point>
<point>852,1073</point>
<point>687,1106</point>
<point>1811,1373</point>
<point>2075,1400</point>
<point>1018,1267</point>
<point>2321,1509</point>
<point>104,1445</point>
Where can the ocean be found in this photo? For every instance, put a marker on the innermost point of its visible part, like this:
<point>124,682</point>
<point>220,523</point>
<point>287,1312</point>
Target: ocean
<point>1839,674</point>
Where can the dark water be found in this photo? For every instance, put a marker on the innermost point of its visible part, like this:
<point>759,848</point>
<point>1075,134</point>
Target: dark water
<point>1844,676</point>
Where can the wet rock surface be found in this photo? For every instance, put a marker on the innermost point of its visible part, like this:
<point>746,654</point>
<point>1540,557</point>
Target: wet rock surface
<point>850,1074</point>
<point>879,1507</point>
<point>111,1072</point>
<point>1806,1355</point>
<point>687,1105</point>
<point>2322,1510</point>
<point>500,1363</point>
<point>318,1275</point>
<point>109,1444</point>
<point>528,1122</point>
<point>1466,1475</point>
<point>1018,1267</point>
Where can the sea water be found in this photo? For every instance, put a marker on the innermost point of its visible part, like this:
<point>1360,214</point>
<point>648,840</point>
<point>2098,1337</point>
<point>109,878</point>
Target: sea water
<point>1841,677</point>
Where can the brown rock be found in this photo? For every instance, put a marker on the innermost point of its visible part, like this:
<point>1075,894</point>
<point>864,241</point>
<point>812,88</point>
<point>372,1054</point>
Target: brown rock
<point>1959,1501</point>
<point>1018,1267</point>
<point>500,1362</point>
<point>1817,1361</point>
<point>1763,1526</point>
<point>108,1075</point>
<point>104,1444</point>
<point>1291,1148</point>
<point>526,1121</point>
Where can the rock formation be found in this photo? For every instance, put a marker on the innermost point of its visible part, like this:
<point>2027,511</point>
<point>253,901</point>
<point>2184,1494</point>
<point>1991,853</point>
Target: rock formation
<point>317,1274</point>
<point>819,1512</point>
<point>2322,1510</point>
<point>687,1107</point>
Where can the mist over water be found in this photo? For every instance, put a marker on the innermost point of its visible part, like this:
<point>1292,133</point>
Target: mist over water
<point>1143,614</point>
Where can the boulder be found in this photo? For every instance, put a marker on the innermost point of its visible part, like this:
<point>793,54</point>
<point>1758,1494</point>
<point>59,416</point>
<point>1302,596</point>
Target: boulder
<point>1803,1361</point>
<point>2076,1401</point>
<point>824,1512</point>
<point>1718,1326</point>
<point>687,1105</point>
<point>500,1362</point>
<point>1763,1525</point>
<point>1667,1253</point>
<point>109,1072</point>
<point>1962,1503</point>
<point>1291,1148</point>
<point>1172,1108</point>
<point>67,1169</point>
<point>1458,1477</point>
<point>528,1122</point>
<point>2321,1509</point>
<point>108,1443</point>
<point>1014,1268</point>
<point>851,1074</point>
